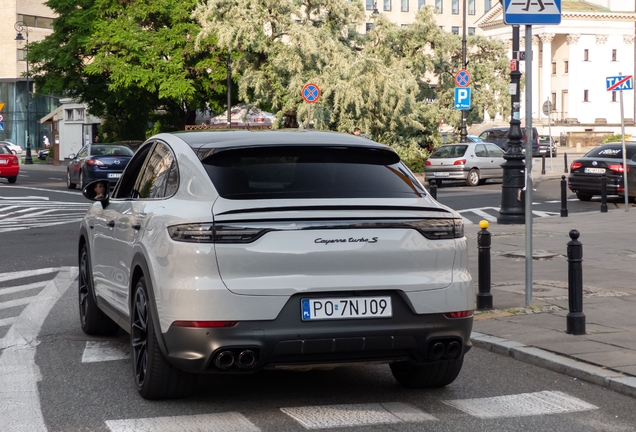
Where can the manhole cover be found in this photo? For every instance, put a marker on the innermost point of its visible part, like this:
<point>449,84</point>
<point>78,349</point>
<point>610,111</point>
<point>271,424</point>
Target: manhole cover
<point>536,254</point>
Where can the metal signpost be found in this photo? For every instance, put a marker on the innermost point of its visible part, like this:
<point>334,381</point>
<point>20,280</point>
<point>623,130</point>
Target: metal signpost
<point>528,13</point>
<point>462,91</point>
<point>620,83</point>
<point>310,94</point>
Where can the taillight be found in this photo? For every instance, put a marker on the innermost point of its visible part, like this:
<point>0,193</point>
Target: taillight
<point>460,162</point>
<point>460,314</point>
<point>95,162</point>
<point>617,168</point>
<point>428,163</point>
<point>204,324</point>
<point>575,166</point>
<point>439,229</point>
<point>208,233</point>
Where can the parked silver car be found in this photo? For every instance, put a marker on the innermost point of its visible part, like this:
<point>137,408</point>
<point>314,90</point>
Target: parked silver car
<point>236,251</point>
<point>472,162</point>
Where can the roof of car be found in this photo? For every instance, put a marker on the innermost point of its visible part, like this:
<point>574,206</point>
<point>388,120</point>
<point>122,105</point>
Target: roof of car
<point>225,138</point>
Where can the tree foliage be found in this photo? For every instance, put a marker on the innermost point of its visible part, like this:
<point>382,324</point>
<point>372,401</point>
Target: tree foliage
<point>132,61</point>
<point>395,83</point>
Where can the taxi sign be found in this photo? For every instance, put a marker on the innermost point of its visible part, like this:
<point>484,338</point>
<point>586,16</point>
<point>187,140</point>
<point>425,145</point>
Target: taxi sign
<point>618,83</point>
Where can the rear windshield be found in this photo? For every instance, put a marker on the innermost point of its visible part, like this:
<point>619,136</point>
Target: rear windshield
<point>310,172</point>
<point>111,150</point>
<point>612,152</point>
<point>449,151</point>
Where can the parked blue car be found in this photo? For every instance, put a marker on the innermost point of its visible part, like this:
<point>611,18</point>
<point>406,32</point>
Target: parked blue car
<point>97,162</point>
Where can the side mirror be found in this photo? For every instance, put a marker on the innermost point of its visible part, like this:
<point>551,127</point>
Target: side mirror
<point>98,190</point>
<point>71,156</point>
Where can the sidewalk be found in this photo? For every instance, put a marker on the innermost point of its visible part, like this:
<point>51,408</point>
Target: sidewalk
<point>606,354</point>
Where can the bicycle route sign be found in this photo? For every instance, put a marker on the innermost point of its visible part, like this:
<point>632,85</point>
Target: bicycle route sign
<point>311,93</point>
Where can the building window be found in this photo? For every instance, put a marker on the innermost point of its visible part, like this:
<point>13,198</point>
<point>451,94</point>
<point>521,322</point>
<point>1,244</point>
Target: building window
<point>36,21</point>
<point>553,101</point>
<point>586,55</point>
<point>369,26</point>
<point>586,95</point>
<point>387,5</point>
<point>471,31</point>
<point>613,55</point>
<point>421,4</point>
<point>553,68</point>
<point>566,66</point>
<point>369,5</point>
<point>455,30</point>
<point>487,5</point>
<point>455,7</point>
<point>69,114</point>
<point>405,5</point>
<point>613,96</point>
<point>22,55</point>
<point>471,7</point>
<point>439,6</point>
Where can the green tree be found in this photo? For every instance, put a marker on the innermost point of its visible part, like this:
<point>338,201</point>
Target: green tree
<point>133,62</point>
<point>393,82</point>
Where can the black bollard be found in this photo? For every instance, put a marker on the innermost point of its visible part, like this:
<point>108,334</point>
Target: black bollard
<point>565,162</point>
<point>564,197</point>
<point>604,194</point>
<point>543,163</point>
<point>484,297</point>
<point>433,189</point>
<point>576,317</point>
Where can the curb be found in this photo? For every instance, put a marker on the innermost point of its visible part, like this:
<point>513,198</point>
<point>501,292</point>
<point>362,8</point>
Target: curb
<point>611,379</point>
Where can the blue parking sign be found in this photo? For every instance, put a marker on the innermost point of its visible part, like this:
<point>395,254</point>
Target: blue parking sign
<point>1,126</point>
<point>462,98</point>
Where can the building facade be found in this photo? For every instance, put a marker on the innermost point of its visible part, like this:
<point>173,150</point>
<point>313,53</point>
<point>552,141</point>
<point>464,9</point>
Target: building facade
<point>21,111</point>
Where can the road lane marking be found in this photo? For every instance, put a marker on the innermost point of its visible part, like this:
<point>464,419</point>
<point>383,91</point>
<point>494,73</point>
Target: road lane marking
<point>7,321</point>
<point>104,351</point>
<point>47,190</point>
<point>332,416</point>
<point>221,422</point>
<point>20,288</point>
<point>520,405</point>
<point>27,273</point>
<point>19,375</point>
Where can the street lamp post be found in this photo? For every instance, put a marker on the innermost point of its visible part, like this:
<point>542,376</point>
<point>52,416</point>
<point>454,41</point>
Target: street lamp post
<point>463,132</point>
<point>21,26</point>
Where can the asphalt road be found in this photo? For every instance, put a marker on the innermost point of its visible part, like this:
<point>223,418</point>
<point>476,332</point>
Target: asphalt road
<point>55,378</point>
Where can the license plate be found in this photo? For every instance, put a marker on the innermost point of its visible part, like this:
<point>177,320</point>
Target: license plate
<point>3,161</point>
<point>594,170</point>
<point>114,175</point>
<point>440,174</point>
<point>345,308</point>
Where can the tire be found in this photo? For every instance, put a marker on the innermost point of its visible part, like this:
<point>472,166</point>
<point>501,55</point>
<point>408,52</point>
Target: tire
<point>473,177</point>
<point>584,196</point>
<point>69,184</point>
<point>154,376</point>
<point>94,322</point>
<point>430,375</point>
<point>12,179</point>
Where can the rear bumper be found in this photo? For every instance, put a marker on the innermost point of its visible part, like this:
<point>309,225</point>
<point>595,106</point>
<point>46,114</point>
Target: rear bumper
<point>592,184</point>
<point>289,342</point>
<point>451,173</point>
<point>97,174</point>
<point>11,171</point>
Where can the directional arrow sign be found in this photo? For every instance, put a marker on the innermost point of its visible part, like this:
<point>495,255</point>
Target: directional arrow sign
<point>617,83</point>
<point>531,12</point>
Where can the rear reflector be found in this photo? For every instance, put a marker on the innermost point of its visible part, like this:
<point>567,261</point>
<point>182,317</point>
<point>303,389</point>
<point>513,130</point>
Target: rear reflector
<point>460,314</point>
<point>204,324</point>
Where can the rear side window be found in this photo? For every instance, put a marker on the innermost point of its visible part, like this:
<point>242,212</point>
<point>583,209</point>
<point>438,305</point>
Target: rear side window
<point>449,151</point>
<point>612,152</point>
<point>310,172</point>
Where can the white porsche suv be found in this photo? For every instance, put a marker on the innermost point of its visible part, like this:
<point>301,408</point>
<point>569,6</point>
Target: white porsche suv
<point>236,251</point>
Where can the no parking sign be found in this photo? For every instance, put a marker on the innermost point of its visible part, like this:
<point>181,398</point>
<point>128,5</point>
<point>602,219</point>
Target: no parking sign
<point>311,93</point>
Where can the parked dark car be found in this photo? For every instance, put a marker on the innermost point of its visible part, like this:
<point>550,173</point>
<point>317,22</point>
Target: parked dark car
<point>547,142</point>
<point>499,136</point>
<point>97,162</point>
<point>586,173</point>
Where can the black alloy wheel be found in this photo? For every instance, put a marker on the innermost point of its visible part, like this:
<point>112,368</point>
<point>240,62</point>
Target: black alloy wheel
<point>154,376</point>
<point>92,319</point>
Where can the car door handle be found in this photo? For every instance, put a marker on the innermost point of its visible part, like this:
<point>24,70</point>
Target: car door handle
<point>137,226</point>
<point>111,223</point>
